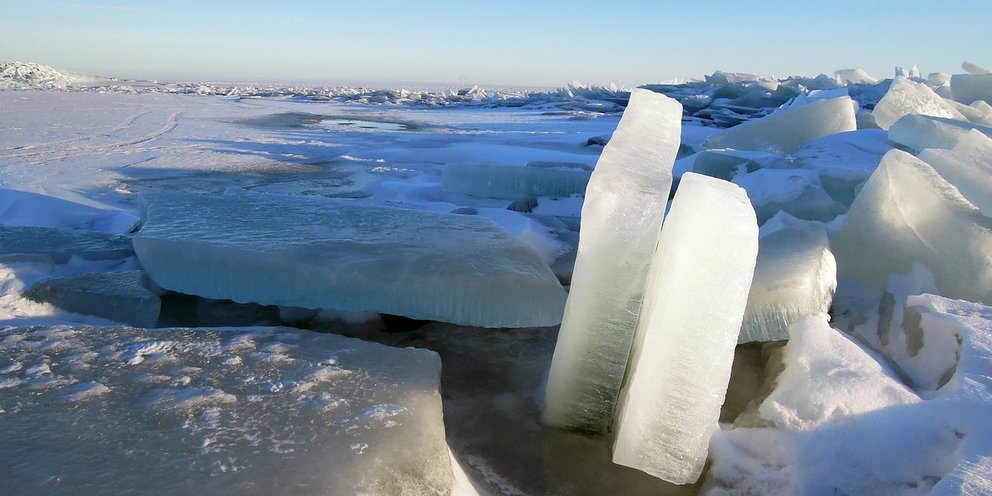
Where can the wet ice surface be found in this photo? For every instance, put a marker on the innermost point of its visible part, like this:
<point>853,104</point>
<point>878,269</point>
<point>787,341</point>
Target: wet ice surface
<point>123,410</point>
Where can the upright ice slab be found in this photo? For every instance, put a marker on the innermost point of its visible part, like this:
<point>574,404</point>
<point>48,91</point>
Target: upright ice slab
<point>795,277</point>
<point>784,132</point>
<point>684,345</point>
<point>907,97</point>
<point>908,213</point>
<point>621,219</point>
<point>287,251</point>
<point>195,411</point>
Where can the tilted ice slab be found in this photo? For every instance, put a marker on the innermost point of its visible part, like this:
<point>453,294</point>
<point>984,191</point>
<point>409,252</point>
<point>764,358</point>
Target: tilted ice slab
<point>59,245</point>
<point>726,164</point>
<point>118,296</point>
<point>908,213</point>
<point>907,97</point>
<point>508,181</point>
<point>621,219</point>
<point>795,277</point>
<point>121,410</point>
<point>919,132</point>
<point>684,345</point>
<point>970,173</point>
<point>784,132</point>
<point>335,254</point>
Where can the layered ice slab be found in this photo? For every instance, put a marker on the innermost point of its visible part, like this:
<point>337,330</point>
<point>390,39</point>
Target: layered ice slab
<point>621,219</point>
<point>907,97</point>
<point>509,181</point>
<point>119,410</point>
<point>118,296</point>
<point>56,245</point>
<point>908,213</point>
<point>298,252</point>
<point>785,131</point>
<point>795,277</point>
<point>683,350</point>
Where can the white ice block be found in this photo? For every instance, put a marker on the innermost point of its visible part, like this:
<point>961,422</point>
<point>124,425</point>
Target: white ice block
<point>919,132</point>
<point>968,88</point>
<point>795,277</point>
<point>621,220</point>
<point>908,213</point>
<point>119,410</point>
<point>847,77</point>
<point>783,132</point>
<point>907,97</point>
<point>684,345</point>
<point>291,251</point>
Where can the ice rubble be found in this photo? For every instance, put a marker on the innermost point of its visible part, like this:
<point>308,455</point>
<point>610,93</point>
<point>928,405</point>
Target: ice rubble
<point>786,131</point>
<point>834,402</point>
<point>289,251</point>
<point>621,218</point>
<point>795,277</point>
<point>694,300</point>
<point>908,97</point>
<point>257,411</point>
<point>118,296</point>
<point>908,213</point>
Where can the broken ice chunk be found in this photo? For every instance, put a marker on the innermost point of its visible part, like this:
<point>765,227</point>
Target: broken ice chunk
<point>214,414</point>
<point>118,296</point>
<point>59,245</point>
<point>970,173</point>
<point>684,345</point>
<point>846,77</point>
<point>844,160</point>
<point>968,88</point>
<point>508,181</point>
<point>795,277</point>
<point>908,213</point>
<point>307,253</point>
<point>918,132</point>
<point>907,97</point>
<point>783,132</point>
<point>621,219</point>
<point>795,191</point>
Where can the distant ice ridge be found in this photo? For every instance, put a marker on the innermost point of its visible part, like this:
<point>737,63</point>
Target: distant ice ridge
<point>291,251</point>
<point>621,219</point>
<point>114,410</point>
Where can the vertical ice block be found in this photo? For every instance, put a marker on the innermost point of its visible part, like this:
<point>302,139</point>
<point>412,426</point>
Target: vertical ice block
<point>621,219</point>
<point>684,345</point>
<point>908,213</point>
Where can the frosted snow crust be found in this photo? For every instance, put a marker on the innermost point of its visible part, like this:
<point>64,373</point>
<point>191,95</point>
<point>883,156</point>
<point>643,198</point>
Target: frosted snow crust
<point>621,218</point>
<point>336,254</point>
<point>115,410</point>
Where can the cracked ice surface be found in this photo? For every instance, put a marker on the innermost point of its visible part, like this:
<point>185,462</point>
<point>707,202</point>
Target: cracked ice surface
<point>179,411</point>
<point>277,250</point>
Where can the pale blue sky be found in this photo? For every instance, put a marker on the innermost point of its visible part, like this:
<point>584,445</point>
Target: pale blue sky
<point>536,43</point>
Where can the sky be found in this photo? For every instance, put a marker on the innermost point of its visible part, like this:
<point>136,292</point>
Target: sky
<point>507,42</point>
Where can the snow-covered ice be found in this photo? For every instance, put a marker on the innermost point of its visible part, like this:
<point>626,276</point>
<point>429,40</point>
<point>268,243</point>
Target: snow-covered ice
<point>275,250</point>
<point>178,411</point>
<point>621,220</point>
<point>684,344</point>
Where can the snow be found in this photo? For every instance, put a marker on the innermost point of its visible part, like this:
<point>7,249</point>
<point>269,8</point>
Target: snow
<point>621,219</point>
<point>684,344</point>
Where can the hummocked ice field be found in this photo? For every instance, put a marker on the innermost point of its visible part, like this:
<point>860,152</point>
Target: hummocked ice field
<point>734,286</point>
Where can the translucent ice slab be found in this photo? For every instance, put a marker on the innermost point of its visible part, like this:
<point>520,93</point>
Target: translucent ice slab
<point>508,181</point>
<point>291,251</point>
<point>121,410</point>
<point>907,97</point>
<point>783,132</point>
<point>621,219</point>
<point>918,132</point>
<point>684,345</point>
<point>118,296</point>
<point>59,245</point>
